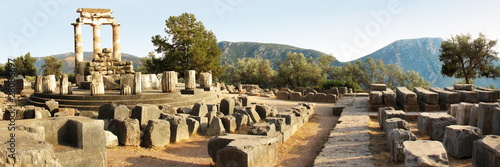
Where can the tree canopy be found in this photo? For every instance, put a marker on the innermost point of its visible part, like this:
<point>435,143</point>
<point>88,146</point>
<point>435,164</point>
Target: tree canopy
<point>188,46</point>
<point>25,65</point>
<point>250,71</point>
<point>464,57</point>
<point>52,66</point>
<point>298,71</point>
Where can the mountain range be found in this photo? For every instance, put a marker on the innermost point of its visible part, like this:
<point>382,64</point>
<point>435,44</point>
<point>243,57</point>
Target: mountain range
<point>420,55</point>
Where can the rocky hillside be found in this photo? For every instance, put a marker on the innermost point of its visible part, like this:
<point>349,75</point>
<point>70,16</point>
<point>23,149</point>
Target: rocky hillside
<point>232,51</point>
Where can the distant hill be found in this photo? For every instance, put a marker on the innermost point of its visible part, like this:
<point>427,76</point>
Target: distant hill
<point>421,55</point>
<point>68,60</point>
<point>232,51</point>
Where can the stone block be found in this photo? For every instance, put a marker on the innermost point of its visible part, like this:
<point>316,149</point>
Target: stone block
<point>395,123</point>
<point>427,107</point>
<point>411,108</point>
<point>452,110</point>
<point>179,129</point>
<point>445,96</point>
<point>462,113</point>
<point>290,118</point>
<point>458,140</point>
<point>113,111</point>
<point>216,127</point>
<point>309,97</point>
<point>296,96</point>
<point>127,130</point>
<point>426,96</point>
<point>337,110</point>
<point>486,151</point>
<point>241,120</point>
<point>487,96</point>
<point>496,122</point>
<point>145,112</point>
<point>469,96</point>
<point>378,87</point>
<point>279,123</point>
<point>485,116</point>
<point>376,98</point>
<point>193,125</point>
<point>199,109</point>
<point>331,98</point>
<point>243,150</point>
<point>111,139</point>
<point>389,97</point>
<point>396,139</point>
<point>474,115</point>
<point>282,95</point>
<point>467,87</point>
<point>244,100</point>
<point>51,105</point>
<point>156,133</point>
<point>433,124</point>
<point>405,96</point>
<point>255,117</point>
<point>320,97</point>
<point>65,112</point>
<point>342,90</point>
<point>264,129</point>
<point>49,84</point>
<point>227,106</point>
<point>381,115</point>
<point>424,153</point>
<point>263,110</point>
<point>229,122</point>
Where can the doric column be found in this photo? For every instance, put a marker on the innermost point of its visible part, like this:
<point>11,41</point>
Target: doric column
<point>138,83</point>
<point>96,27</point>
<point>79,68</point>
<point>116,42</point>
<point>169,80</point>
<point>63,84</point>
<point>190,78</point>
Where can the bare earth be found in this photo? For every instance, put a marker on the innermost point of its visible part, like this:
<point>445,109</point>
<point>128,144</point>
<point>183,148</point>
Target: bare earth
<point>300,150</point>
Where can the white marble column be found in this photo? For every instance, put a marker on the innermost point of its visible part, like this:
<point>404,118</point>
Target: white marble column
<point>79,68</point>
<point>96,27</point>
<point>116,42</point>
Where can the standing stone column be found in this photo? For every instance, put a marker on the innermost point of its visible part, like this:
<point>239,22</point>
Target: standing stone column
<point>49,84</point>
<point>168,82</point>
<point>116,42</point>
<point>63,85</point>
<point>96,27</point>
<point>79,65</point>
<point>206,80</point>
<point>97,85</point>
<point>39,84</point>
<point>190,78</point>
<point>138,83</point>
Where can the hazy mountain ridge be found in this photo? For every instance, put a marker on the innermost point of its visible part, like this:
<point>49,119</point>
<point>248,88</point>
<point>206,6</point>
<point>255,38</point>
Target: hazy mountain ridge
<point>232,51</point>
<point>420,55</point>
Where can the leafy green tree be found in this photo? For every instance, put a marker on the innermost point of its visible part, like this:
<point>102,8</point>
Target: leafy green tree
<point>52,66</point>
<point>250,71</point>
<point>464,57</point>
<point>297,71</point>
<point>2,70</point>
<point>188,46</point>
<point>25,65</point>
<point>375,71</point>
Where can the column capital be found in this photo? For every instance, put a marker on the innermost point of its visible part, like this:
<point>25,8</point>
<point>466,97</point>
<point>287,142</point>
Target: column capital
<point>96,24</point>
<point>115,24</point>
<point>76,24</point>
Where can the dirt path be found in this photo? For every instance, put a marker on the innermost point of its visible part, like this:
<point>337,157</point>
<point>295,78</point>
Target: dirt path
<point>299,150</point>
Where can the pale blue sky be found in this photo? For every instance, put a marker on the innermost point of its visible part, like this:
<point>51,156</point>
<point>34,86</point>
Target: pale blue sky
<point>346,29</point>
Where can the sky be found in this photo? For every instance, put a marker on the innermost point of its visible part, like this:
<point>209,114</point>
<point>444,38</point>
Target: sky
<point>346,29</point>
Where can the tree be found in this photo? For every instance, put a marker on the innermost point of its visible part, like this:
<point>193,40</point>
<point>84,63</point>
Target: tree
<point>52,66</point>
<point>297,71</point>
<point>464,57</point>
<point>375,71</point>
<point>2,70</point>
<point>25,65</point>
<point>188,46</point>
<point>250,71</point>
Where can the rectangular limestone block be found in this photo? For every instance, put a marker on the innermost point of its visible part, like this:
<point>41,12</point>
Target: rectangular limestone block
<point>405,96</point>
<point>446,96</point>
<point>486,151</point>
<point>488,89</point>
<point>297,96</point>
<point>467,87</point>
<point>427,107</point>
<point>410,108</point>
<point>424,153</point>
<point>282,95</point>
<point>496,121</point>
<point>378,87</point>
<point>485,116</point>
<point>376,98</point>
<point>469,96</point>
<point>458,140</point>
<point>462,114</point>
<point>396,139</point>
<point>487,96</point>
<point>433,123</point>
<point>381,115</point>
<point>331,98</point>
<point>473,115</point>
<point>452,109</point>
<point>394,123</point>
<point>426,96</point>
<point>389,97</point>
